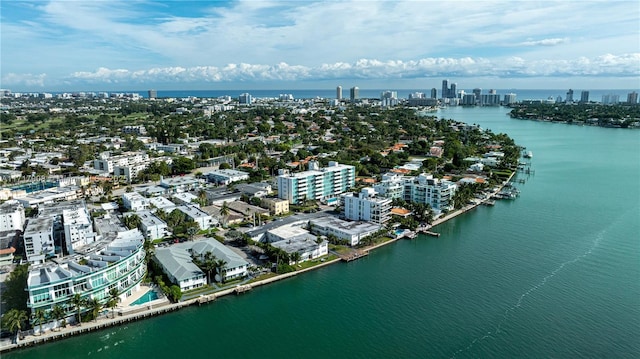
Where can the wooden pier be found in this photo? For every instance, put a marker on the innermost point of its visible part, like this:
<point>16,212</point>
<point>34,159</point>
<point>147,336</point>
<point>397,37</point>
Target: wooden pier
<point>352,256</point>
<point>433,234</point>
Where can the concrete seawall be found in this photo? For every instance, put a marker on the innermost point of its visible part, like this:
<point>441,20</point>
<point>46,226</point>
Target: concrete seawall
<point>106,322</point>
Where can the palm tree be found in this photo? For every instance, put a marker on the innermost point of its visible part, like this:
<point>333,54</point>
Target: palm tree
<point>13,320</point>
<point>220,264</point>
<point>95,306</point>
<point>132,221</point>
<point>39,316</point>
<point>57,313</point>
<point>160,213</point>
<point>295,256</point>
<point>114,298</point>
<point>224,212</point>
<point>202,196</point>
<point>78,302</point>
<point>209,264</point>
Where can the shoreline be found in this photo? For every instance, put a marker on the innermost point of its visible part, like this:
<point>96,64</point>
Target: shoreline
<point>163,308</point>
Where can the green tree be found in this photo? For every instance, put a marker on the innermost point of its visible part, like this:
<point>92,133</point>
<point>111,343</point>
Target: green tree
<point>175,292</point>
<point>114,298</point>
<point>221,265</point>
<point>224,212</point>
<point>14,294</point>
<point>182,165</point>
<point>79,303</point>
<point>295,256</point>
<point>191,229</point>
<point>13,320</point>
<point>132,221</point>
<point>38,317</point>
<point>95,306</point>
<point>57,313</point>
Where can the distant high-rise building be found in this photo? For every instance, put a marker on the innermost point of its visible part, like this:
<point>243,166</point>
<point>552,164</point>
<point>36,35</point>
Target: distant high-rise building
<point>354,94</point>
<point>584,96</point>
<point>445,89</point>
<point>468,99</point>
<point>245,99</point>
<point>153,94</point>
<point>388,98</point>
<point>477,92</point>
<point>569,96</point>
<point>610,99</point>
<point>492,92</point>
<point>339,92</point>
<point>632,98</point>
<point>434,93</point>
<point>509,98</point>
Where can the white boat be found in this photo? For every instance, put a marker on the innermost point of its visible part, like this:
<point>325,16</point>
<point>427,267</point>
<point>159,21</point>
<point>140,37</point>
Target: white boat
<point>529,154</point>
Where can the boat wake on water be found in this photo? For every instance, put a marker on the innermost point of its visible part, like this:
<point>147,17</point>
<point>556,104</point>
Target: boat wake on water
<point>505,317</point>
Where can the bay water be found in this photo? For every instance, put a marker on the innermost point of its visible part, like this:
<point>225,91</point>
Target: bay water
<point>552,274</point>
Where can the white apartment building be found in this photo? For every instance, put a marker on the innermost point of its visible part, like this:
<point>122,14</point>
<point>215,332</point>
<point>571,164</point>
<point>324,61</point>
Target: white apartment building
<point>107,163</point>
<point>135,201</point>
<point>177,263</point>
<point>307,247</point>
<point>435,192</point>
<point>365,206</point>
<point>51,195</point>
<point>162,203</point>
<point>391,186</point>
<point>225,177</point>
<point>351,231</point>
<point>115,262</point>
<point>202,218</point>
<point>180,184</point>
<point>11,216</point>
<point>78,228</point>
<point>38,239</point>
<point>129,172</point>
<point>151,226</point>
<point>324,184</point>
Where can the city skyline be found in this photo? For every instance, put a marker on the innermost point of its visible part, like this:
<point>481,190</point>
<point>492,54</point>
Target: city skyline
<point>116,45</point>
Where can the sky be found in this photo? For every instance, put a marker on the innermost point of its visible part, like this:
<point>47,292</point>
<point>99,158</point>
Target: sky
<point>103,45</point>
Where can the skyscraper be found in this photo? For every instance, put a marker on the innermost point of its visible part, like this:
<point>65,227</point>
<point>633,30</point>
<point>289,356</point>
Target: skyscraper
<point>477,92</point>
<point>445,89</point>
<point>453,92</point>
<point>569,96</point>
<point>584,96</point>
<point>632,97</point>
<point>354,93</point>
<point>339,92</point>
<point>245,99</point>
<point>153,94</point>
<point>434,93</point>
<point>509,98</point>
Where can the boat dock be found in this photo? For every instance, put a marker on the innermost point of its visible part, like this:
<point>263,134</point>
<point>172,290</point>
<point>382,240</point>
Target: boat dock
<point>353,255</point>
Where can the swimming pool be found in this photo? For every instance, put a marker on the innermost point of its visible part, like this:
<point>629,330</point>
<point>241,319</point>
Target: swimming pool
<point>149,296</point>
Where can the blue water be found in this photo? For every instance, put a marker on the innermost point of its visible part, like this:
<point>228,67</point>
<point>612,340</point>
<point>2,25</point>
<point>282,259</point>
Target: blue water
<point>149,296</point>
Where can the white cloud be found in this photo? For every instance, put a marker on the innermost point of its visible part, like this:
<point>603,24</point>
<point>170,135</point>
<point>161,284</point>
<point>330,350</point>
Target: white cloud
<point>545,42</point>
<point>605,65</point>
<point>27,80</point>
<point>222,42</point>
